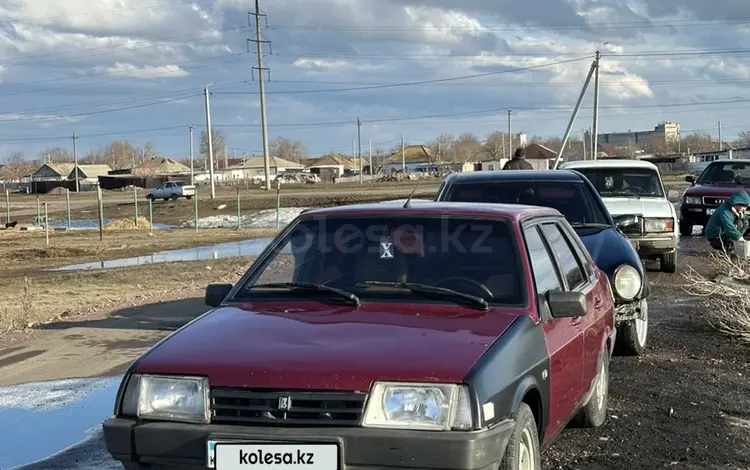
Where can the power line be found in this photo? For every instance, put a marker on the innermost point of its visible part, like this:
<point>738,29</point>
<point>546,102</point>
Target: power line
<point>421,82</point>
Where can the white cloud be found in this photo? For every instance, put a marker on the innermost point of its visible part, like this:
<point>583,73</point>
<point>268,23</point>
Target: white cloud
<point>320,63</point>
<point>133,71</point>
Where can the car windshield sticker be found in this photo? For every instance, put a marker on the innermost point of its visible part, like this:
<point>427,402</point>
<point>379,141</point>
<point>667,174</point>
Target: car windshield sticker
<point>386,249</point>
<point>609,182</point>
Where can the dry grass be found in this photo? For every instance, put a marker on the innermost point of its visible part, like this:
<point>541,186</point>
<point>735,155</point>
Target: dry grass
<point>52,296</point>
<point>27,251</point>
<point>728,306</point>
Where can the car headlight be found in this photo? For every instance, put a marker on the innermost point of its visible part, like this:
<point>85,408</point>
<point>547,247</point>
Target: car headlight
<point>627,282</point>
<point>435,407</point>
<point>167,398</point>
<point>693,200</point>
<point>659,225</point>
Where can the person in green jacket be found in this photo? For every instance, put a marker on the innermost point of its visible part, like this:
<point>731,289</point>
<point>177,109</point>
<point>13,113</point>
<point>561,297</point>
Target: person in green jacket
<point>729,223</point>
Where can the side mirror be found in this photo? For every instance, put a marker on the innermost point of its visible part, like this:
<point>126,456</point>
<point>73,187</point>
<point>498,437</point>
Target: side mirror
<point>216,293</point>
<point>566,304</point>
<point>673,194</point>
<point>625,221</point>
<point>690,179</point>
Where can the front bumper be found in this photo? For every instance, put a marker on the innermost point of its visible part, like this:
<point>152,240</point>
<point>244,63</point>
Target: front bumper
<point>163,444</point>
<point>630,311</point>
<point>695,215</point>
<point>654,244</point>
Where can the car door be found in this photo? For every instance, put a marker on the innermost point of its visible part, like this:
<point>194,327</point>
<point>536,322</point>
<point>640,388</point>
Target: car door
<point>159,191</point>
<point>563,336</point>
<point>597,300</point>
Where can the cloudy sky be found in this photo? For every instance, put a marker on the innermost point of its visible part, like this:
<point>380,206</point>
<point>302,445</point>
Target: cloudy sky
<point>136,69</point>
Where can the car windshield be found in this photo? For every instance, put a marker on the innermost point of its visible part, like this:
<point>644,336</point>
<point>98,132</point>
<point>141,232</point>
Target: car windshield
<point>612,182</point>
<point>392,259</point>
<point>726,173</point>
<point>571,198</point>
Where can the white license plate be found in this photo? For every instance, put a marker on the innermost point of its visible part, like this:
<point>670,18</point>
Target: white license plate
<point>710,211</point>
<point>232,455</point>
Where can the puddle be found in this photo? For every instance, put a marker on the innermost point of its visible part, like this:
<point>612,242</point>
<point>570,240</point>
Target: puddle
<point>252,247</point>
<point>93,224</point>
<point>40,419</point>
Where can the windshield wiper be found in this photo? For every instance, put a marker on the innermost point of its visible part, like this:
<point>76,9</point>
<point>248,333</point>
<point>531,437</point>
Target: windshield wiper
<point>307,287</point>
<point>428,289</point>
<point>622,193</point>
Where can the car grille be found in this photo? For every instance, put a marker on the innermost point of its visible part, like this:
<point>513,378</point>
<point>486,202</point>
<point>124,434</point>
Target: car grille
<point>286,408</point>
<point>713,201</point>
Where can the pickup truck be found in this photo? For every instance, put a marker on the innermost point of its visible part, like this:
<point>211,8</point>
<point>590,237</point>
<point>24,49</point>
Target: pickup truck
<point>434,336</point>
<point>172,190</point>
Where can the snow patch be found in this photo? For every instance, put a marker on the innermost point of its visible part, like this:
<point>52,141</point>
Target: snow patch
<point>262,219</point>
<point>46,396</point>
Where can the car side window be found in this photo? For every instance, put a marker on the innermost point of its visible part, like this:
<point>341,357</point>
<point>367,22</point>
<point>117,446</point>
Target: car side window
<point>580,251</point>
<point>570,266</point>
<point>543,267</point>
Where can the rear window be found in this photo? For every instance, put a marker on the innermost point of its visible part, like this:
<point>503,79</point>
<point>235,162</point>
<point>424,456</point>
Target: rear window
<point>571,198</point>
<point>179,183</point>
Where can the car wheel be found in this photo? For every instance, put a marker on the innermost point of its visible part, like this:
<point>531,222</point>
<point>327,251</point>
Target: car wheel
<point>150,197</point>
<point>594,413</point>
<point>175,197</point>
<point>188,197</point>
<point>669,262</point>
<point>523,452</point>
<point>166,199</point>
<point>686,229</point>
<point>632,335</point>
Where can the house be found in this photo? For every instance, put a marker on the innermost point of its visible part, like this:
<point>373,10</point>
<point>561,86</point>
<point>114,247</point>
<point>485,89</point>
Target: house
<point>53,172</point>
<point>333,165</point>
<point>254,168</point>
<point>89,173</point>
<point>494,165</point>
<point>157,166</point>
<point>413,157</point>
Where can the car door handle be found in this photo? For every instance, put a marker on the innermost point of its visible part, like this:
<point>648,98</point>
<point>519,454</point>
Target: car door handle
<point>598,303</point>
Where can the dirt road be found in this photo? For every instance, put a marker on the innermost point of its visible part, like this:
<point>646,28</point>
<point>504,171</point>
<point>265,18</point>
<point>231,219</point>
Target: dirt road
<point>685,404</point>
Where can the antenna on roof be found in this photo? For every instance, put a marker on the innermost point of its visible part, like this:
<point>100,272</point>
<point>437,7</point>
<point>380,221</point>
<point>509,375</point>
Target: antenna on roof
<point>407,204</point>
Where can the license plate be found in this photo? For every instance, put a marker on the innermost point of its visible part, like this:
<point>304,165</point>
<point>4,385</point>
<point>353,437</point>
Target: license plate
<point>232,455</point>
<point>710,211</point>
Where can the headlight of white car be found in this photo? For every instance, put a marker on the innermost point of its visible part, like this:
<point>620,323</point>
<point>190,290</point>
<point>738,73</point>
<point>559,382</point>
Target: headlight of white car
<point>659,225</point>
<point>693,200</point>
<point>435,407</point>
<point>627,282</point>
<point>168,398</point>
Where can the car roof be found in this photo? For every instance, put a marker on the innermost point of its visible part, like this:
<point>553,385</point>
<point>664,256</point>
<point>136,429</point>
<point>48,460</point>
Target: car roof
<point>516,212</point>
<point>514,175</point>
<point>733,160</point>
<point>609,164</point>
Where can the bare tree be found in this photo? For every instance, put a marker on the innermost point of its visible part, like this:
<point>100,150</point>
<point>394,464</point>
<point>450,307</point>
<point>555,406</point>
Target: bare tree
<point>56,155</point>
<point>468,148</point>
<point>120,154</point>
<point>149,150</point>
<point>496,145</point>
<point>288,149</point>
<point>218,141</point>
<point>699,142</point>
<point>16,167</point>
<point>743,139</point>
<point>442,147</point>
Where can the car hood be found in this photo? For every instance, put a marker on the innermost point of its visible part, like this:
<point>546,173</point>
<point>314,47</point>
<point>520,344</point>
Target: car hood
<point>317,346</point>
<point>609,249</point>
<point>646,207</point>
<point>723,190</point>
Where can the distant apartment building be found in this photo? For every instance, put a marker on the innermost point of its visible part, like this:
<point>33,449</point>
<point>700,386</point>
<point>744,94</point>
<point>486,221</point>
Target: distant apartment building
<point>664,133</point>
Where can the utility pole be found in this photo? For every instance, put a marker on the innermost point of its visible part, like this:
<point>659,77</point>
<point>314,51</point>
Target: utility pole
<point>263,124</point>
<point>369,152</point>
<point>359,151</point>
<point>583,141</point>
<point>403,154</point>
<point>510,138</point>
<point>721,141</point>
<point>226,156</point>
<point>192,167</point>
<point>75,162</point>
<point>595,131</point>
<point>210,139</point>
<point>560,154</point>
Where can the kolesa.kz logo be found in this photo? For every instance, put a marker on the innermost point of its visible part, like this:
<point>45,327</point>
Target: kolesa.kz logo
<point>277,458</point>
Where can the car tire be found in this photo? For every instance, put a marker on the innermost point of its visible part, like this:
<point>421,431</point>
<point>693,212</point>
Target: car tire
<point>188,197</point>
<point>175,197</point>
<point>150,197</point>
<point>669,262</point>
<point>166,199</point>
<point>632,335</point>
<point>594,413</point>
<point>686,229</point>
<point>523,450</point>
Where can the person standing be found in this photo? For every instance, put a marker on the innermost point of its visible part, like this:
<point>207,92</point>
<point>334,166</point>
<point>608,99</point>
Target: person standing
<point>518,162</point>
<point>728,223</point>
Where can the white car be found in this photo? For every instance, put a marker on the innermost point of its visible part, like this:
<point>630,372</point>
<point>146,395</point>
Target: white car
<point>172,190</point>
<point>635,188</point>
